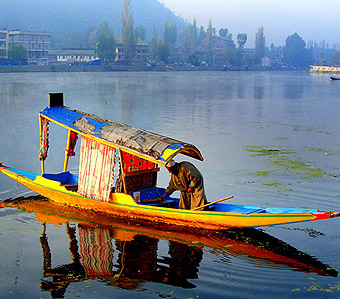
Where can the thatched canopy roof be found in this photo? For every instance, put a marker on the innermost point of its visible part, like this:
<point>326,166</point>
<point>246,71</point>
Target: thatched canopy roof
<point>150,146</point>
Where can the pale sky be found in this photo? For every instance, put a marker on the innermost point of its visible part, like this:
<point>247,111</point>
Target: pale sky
<point>315,20</point>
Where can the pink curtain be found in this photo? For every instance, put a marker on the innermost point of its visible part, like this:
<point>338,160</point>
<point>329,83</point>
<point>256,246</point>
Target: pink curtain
<point>95,169</point>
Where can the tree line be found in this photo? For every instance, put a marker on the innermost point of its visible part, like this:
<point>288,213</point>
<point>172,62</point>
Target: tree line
<point>192,45</point>
<point>195,45</point>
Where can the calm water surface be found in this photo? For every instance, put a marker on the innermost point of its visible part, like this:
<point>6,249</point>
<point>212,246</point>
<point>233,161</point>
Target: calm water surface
<point>269,139</point>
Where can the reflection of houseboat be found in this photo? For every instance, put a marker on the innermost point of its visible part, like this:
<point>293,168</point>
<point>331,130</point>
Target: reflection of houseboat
<point>131,191</point>
<point>324,69</point>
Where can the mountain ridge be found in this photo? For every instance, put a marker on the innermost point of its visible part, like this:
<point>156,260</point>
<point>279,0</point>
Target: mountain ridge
<point>78,15</point>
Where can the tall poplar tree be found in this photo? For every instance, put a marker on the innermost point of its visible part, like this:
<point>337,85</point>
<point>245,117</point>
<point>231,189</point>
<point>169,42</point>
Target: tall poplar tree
<point>153,45</point>
<point>201,35</point>
<point>209,43</point>
<point>128,32</point>
<point>187,42</point>
<point>170,33</point>
<point>260,42</point>
<point>194,35</point>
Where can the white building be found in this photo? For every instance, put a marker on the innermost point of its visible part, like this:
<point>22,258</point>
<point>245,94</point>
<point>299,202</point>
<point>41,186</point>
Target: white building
<point>37,44</point>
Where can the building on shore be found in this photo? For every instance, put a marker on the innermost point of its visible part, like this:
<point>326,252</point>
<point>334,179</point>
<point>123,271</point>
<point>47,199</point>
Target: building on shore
<point>71,56</point>
<point>141,54</point>
<point>3,44</point>
<point>37,44</point>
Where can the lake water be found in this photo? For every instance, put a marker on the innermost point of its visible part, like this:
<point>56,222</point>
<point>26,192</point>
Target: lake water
<point>267,138</point>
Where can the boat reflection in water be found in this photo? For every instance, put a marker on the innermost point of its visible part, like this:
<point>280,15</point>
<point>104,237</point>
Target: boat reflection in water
<point>137,261</point>
<point>124,253</point>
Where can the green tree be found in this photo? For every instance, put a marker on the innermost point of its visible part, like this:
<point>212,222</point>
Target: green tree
<point>106,48</point>
<point>209,43</point>
<point>194,36</point>
<point>335,59</point>
<point>187,42</point>
<point>163,52</point>
<point>295,52</point>
<point>322,60</point>
<point>170,33</point>
<point>194,59</point>
<point>153,45</point>
<point>260,43</point>
<point>18,53</point>
<point>223,32</point>
<point>201,35</point>
<point>128,33</point>
<point>140,32</point>
<point>234,56</point>
<point>104,29</point>
<point>241,40</point>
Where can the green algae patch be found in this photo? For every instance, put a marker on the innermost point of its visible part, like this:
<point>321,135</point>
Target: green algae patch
<point>262,173</point>
<point>283,162</point>
<point>272,184</point>
<point>262,151</point>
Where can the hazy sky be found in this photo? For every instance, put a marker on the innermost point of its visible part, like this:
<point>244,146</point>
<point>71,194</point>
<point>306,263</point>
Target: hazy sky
<point>315,20</point>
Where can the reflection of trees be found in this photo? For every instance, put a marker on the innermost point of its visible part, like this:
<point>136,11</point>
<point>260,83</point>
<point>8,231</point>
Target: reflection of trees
<point>293,90</point>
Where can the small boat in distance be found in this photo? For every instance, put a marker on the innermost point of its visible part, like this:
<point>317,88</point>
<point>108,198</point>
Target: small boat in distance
<point>334,78</point>
<point>128,188</point>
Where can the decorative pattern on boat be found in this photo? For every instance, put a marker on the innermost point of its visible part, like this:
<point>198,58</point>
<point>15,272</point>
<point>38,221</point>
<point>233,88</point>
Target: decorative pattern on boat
<point>44,136</point>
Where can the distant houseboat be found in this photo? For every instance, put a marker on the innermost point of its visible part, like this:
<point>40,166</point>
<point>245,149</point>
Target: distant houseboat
<point>324,69</point>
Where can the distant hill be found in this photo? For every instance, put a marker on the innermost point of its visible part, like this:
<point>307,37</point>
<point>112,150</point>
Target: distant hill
<point>78,15</point>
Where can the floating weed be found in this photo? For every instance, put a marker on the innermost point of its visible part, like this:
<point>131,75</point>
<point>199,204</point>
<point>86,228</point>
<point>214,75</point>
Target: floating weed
<point>262,173</point>
<point>262,151</point>
<point>315,287</point>
<point>280,161</point>
<point>298,128</point>
<point>272,184</point>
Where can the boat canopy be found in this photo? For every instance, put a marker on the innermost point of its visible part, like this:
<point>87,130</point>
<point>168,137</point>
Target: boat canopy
<point>147,145</point>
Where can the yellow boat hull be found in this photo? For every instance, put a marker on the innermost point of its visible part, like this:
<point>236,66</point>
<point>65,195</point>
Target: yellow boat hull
<point>123,205</point>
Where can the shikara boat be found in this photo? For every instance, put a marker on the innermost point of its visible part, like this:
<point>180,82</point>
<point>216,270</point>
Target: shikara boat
<point>118,167</point>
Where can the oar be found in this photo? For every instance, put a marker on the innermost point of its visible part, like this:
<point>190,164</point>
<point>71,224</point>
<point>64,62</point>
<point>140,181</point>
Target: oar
<point>211,203</point>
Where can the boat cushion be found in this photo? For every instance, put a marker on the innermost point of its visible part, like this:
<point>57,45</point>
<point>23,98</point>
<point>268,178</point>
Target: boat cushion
<point>62,177</point>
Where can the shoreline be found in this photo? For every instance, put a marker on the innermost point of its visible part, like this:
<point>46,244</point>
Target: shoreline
<point>118,68</point>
